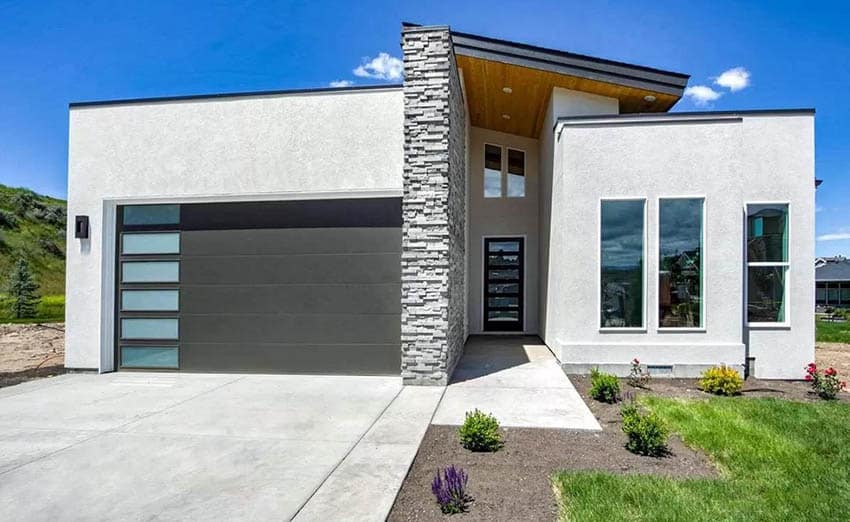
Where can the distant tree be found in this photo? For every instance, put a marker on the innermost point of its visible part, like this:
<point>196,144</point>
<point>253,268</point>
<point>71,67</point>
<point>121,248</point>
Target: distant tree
<point>22,291</point>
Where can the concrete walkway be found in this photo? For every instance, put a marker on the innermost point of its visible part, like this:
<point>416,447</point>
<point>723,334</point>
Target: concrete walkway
<point>139,446</point>
<point>517,379</point>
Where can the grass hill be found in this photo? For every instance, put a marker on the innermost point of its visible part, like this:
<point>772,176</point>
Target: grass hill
<point>32,226</point>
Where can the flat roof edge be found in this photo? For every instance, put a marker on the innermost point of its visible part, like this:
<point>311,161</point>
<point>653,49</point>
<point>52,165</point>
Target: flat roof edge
<point>613,118</point>
<point>243,94</point>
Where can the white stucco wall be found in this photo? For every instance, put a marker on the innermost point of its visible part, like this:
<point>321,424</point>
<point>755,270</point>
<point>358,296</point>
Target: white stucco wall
<point>562,103</point>
<point>489,217</point>
<point>780,158</point>
<point>282,146</point>
<point>728,161</point>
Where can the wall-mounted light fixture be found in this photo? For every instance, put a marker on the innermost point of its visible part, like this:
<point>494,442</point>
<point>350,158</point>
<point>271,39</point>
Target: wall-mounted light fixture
<point>81,227</point>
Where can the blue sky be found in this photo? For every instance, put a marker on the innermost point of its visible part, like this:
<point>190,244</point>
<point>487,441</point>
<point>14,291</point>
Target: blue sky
<point>797,54</point>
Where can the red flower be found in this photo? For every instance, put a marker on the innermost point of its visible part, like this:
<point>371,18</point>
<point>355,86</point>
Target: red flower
<point>635,361</point>
<point>830,371</point>
<point>808,377</point>
<point>812,366</point>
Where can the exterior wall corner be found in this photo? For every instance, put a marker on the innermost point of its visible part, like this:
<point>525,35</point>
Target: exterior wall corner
<point>433,209</point>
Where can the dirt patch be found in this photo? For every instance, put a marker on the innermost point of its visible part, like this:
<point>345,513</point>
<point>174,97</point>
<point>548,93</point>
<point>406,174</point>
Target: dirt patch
<point>513,483</point>
<point>29,351</point>
<point>836,355</point>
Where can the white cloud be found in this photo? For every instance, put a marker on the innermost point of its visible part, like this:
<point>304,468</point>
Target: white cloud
<point>382,67</point>
<point>341,83</point>
<point>734,79</point>
<point>702,95</point>
<point>837,236</point>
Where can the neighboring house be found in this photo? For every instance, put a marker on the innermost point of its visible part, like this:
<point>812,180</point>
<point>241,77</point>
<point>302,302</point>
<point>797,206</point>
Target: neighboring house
<point>503,188</point>
<point>832,282</point>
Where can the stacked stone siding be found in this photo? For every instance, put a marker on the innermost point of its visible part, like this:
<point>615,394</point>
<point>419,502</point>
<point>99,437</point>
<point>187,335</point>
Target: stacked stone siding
<point>434,207</point>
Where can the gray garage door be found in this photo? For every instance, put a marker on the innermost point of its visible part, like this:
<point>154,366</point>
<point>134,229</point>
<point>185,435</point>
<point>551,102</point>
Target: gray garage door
<point>278,287</point>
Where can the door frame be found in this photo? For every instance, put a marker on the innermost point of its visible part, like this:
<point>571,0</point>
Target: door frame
<point>483,295</point>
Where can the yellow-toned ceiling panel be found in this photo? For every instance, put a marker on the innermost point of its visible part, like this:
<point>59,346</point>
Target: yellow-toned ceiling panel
<point>525,105</point>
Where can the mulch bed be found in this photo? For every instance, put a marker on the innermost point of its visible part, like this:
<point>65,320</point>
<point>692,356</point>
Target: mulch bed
<point>514,482</point>
<point>687,389</point>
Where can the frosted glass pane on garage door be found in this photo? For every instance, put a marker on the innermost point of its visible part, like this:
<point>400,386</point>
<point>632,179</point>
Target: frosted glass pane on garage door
<point>153,243</point>
<point>152,215</point>
<point>138,328</point>
<point>150,271</point>
<point>150,300</point>
<point>149,357</point>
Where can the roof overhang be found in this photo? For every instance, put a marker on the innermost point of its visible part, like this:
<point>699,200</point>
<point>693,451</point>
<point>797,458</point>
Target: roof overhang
<point>490,65</point>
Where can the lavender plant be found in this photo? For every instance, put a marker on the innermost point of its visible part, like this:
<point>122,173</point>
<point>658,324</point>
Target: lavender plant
<point>450,490</point>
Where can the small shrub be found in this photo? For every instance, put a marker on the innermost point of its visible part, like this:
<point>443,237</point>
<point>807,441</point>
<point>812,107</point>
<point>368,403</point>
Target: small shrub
<point>23,201</point>
<point>721,380</point>
<point>450,490</point>
<point>647,434</point>
<point>50,247</point>
<point>604,387</point>
<point>826,384</point>
<point>638,377</point>
<point>480,432</point>
<point>8,219</point>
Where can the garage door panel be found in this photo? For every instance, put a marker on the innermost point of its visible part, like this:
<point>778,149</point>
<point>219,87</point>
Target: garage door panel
<point>292,241</point>
<point>326,268</point>
<point>295,298</point>
<point>291,328</point>
<point>359,359</point>
<point>311,286</point>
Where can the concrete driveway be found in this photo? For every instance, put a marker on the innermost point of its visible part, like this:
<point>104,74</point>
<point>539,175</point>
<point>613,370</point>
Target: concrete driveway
<point>143,446</point>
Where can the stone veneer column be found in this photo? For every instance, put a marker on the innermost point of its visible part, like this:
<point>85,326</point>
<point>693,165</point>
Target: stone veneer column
<point>433,319</point>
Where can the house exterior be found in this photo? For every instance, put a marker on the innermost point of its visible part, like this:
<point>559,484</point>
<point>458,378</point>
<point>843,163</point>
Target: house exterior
<point>832,282</point>
<point>501,189</point>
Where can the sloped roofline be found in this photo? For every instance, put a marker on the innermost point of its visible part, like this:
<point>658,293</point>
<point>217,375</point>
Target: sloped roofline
<point>563,62</point>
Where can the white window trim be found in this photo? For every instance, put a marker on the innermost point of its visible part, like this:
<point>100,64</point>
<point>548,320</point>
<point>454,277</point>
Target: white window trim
<point>704,241</point>
<point>503,169</point>
<point>616,329</point>
<point>786,264</point>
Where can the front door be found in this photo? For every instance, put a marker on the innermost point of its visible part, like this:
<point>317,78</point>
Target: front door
<point>503,284</point>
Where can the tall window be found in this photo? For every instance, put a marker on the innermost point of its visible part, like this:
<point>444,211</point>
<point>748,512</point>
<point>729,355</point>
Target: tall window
<point>767,262</point>
<point>492,171</point>
<point>503,180</point>
<point>622,262</point>
<point>516,173</point>
<point>680,268</point>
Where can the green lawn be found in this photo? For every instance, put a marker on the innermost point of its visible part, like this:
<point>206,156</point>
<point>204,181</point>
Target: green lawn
<point>50,310</point>
<point>780,460</point>
<point>829,332</point>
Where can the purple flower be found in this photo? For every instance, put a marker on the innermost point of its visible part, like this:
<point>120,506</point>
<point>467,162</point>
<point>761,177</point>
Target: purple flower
<point>450,490</point>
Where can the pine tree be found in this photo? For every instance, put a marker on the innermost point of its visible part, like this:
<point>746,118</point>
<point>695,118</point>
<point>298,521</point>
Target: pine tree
<point>23,291</point>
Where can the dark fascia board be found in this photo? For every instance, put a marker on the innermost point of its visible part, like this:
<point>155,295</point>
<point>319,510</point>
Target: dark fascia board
<point>686,115</point>
<point>562,62</point>
<point>245,94</point>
